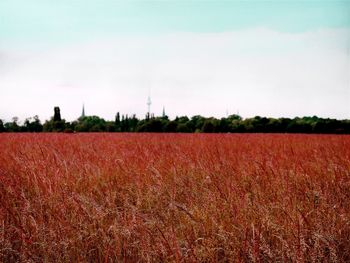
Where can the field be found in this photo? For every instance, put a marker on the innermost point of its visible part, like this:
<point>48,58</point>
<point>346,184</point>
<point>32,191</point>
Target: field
<point>174,198</point>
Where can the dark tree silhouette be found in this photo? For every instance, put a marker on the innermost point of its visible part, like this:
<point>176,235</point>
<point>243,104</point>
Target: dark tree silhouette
<point>151,123</point>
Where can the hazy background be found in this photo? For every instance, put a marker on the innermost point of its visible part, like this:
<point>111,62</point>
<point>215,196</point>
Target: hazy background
<point>268,58</point>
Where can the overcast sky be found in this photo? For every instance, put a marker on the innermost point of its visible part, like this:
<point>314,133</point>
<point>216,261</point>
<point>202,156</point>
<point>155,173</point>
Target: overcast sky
<point>268,58</point>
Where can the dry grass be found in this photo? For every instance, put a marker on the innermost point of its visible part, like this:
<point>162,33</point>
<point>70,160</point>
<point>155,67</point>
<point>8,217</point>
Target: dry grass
<point>173,197</point>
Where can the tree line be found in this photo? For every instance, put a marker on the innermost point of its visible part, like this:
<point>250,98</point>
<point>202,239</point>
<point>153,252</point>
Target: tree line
<point>231,124</point>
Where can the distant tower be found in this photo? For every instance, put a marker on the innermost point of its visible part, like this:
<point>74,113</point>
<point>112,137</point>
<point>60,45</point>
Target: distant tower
<point>57,115</point>
<point>149,102</point>
<point>83,112</point>
<point>163,115</point>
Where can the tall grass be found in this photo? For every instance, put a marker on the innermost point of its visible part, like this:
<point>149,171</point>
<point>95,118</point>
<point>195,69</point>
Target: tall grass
<point>174,198</point>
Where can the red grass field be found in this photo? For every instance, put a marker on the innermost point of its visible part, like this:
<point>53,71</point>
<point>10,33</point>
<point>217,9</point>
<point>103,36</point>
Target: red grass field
<point>174,197</point>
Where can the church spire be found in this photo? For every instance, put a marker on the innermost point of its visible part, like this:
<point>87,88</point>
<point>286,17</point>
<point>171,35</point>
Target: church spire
<point>83,112</point>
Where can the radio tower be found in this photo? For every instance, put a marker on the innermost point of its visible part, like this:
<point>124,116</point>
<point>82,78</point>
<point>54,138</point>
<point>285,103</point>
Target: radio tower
<point>149,102</point>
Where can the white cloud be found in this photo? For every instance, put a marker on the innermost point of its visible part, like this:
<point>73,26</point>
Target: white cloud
<point>256,71</point>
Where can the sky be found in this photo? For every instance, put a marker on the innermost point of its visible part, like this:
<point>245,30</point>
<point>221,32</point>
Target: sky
<point>213,58</point>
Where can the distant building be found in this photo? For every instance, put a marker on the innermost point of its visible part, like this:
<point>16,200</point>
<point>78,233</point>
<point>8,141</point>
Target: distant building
<point>149,102</point>
<point>57,114</point>
<point>83,112</point>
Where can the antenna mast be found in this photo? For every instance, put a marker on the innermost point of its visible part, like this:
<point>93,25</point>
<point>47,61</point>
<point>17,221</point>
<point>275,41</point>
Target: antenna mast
<point>149,102</point>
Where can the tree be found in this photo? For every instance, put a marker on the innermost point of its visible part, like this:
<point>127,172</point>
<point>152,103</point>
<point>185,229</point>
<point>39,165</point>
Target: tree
<point>133,122</point>
<point>274,125</point>
<point>182,127</point>
<point>170,126</point>
<point>208,126</point>
<point>233,123</point>
<point>13,126</point>
<point>152,125</point>
<point>117,122</point>
<point>224,125</point>
<point>56,124</point>
<point>234,117</point>
<point>196,123</point>
<point>110,126</point>
<point>2,128</point>
<point>91,123</point>
<point>33,126</point>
